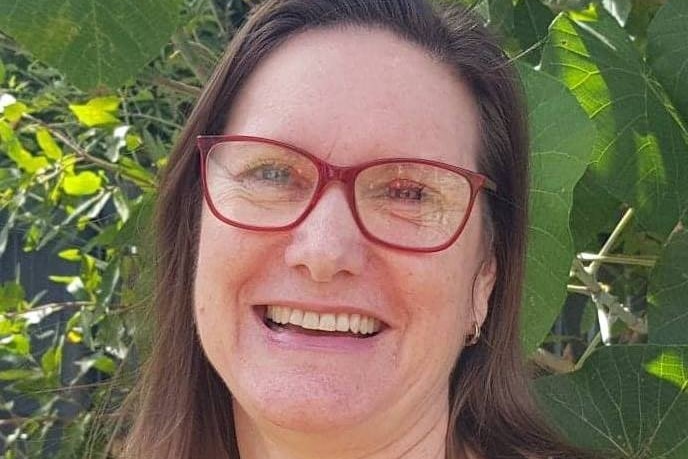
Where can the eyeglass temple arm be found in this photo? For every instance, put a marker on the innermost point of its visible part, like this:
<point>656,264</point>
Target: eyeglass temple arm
<point>490,185</point>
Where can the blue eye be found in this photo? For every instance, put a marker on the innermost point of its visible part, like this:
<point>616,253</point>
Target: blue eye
<point>276,175</point>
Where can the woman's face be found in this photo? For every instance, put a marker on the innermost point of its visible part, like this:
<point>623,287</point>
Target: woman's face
<point>347,96</point>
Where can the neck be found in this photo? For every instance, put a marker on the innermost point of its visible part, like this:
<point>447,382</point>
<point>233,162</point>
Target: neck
<point>424,438</point>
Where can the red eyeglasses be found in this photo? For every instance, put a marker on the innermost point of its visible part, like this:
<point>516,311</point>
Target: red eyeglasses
<point>261,184</point>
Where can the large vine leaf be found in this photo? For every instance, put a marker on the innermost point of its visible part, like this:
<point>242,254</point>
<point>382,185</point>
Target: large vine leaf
<point>667,51</point>
<point>93,42</point>
<point>668,293</point>
<point>561,141</point>
<point>640,155</point>
<point>531,23</point>
<point>628,400</point>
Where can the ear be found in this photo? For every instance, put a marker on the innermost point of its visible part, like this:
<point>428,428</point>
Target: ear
<point>482,288</point>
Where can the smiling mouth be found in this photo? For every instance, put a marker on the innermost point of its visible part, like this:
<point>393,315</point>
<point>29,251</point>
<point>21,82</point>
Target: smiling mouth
<point>285,319</point>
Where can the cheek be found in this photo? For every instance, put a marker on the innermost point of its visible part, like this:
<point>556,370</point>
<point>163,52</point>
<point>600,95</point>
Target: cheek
<point>223,264</point>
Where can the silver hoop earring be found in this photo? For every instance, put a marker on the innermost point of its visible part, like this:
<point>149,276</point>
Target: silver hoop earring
<point>476,335</point>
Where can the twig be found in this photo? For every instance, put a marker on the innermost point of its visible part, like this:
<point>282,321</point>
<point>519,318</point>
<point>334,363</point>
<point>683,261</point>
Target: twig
<point>48,308</point>
<point>185,50</point>
<point>177,86</point>
<point>602,298</point>
<point>646,261</point>
<point>595,265</point>
<point>589,350</point>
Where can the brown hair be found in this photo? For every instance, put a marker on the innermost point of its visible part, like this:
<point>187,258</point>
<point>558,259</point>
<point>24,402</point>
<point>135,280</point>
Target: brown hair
<point>182,407</point>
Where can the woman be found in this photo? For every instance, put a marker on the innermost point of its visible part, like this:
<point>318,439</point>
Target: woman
<point>346,257</point>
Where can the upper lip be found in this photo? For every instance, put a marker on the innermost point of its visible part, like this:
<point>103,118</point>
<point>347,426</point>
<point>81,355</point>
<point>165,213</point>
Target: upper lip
<point>324,308</point>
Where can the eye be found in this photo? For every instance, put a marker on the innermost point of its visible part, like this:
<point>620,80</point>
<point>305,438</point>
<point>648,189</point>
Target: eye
<point>406,190</point>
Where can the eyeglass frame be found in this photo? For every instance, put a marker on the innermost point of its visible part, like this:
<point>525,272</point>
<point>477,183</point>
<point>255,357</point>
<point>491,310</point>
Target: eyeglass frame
<point>347,175</point>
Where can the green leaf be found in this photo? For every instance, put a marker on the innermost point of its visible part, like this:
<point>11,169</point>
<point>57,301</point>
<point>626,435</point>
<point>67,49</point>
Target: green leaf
<point>97,112</point>
<point>70,254</point>
<point>105,364</point>
<point>620,9</point>
<point>668,293</point>
<point>629,401</point>
<point>82,184</point>
<point>51,359</point>
<point>14,374</point>
<point>47,144</point>
<point>667,52</point>
<point>640,152</point>
<point>531,21</point>
<point>2,72</point>
<point>14,112</point>
<point>94,42</point>
<point>498,14</point>
<point>16,152</point>
<point>561,141</point>
<point>11,296</point>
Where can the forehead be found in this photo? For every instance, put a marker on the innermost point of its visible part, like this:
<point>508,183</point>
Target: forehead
<point>353,94</point>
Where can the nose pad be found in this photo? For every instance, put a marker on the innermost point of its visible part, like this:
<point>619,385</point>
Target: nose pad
<point>328,241</point>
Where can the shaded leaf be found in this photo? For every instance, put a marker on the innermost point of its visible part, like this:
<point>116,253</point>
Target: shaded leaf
<point>629,401</point>
<point>561,141</point>
<point>667,51</point>
<point>531,23</point>
<point>668,293</point>
<point>94,42</point>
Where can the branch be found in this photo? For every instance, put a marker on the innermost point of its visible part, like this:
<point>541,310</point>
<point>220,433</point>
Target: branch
<point>83,154</point>
<point>646,261</point>
<point>602,298</point>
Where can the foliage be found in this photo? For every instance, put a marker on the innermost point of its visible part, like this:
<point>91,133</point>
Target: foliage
<point>92,95</point>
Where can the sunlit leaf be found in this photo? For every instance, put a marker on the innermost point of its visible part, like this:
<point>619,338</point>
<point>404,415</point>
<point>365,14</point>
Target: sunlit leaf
<point>70,254</point>
<point>48,144</point>
<point>15,111</point>
<point>97,112</point>
<point>82,184</point>
<point>640,153</point>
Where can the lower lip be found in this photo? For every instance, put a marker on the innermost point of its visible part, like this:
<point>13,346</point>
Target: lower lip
<point>289,340</point>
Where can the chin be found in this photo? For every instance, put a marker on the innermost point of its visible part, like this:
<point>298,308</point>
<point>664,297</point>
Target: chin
<point>310,404</point>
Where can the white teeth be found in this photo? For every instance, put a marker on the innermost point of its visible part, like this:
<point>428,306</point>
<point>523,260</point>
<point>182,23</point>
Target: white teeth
<point>311,320</point>
<point>363,326</point>
<point>296,317</point>
<point>328,322</point>
<point>341,322</point>
<point>354,322</point>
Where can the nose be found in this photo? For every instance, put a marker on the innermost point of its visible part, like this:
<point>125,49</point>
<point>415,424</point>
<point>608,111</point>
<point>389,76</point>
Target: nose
<point>328,241</point>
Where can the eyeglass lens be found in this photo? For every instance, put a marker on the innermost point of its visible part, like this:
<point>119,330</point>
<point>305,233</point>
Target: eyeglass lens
<point>402,203</point>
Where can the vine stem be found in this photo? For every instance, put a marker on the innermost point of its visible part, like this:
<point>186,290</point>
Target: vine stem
<point>604,251</point>
<point>589,350</point>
